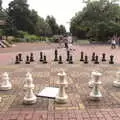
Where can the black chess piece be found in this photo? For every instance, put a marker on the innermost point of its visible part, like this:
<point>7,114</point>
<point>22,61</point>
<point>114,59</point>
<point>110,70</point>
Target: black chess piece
<point>96,60</point>
<point>31,57</point>
<point>17,60</point>
<point>111,59</point>
<point>20,57</point>
<point>93,56</point>
<point>44,60</point>
<point>60,60</point>
<point>27,60</point>
<point>82,56</point>
<point>70,60</point>
<point>103,57</point>
<point>68,55</point>
<point>41,56</point>
<point>56,55</point>
<point>86,59</point>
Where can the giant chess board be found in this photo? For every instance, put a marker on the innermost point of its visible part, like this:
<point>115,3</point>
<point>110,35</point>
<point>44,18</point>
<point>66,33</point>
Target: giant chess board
<point>45,75</point>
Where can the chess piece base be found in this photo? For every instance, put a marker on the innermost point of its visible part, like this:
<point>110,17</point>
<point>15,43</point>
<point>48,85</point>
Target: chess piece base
<point>17,62</point>
<point>30,101</point>
<point>60,62</point>
<point>85,62</point>
<point>103,60</point>
<point>44,62</point>
<point>96,63</point>
<point>61,100</point>
<point>55,59</point>
<point>111,62</point>
<point>27,63</point>
<point>6,87</point>
<point>81,60</point>
<point>95,96</point>
<point>116,83</point>
<point>70,62</point>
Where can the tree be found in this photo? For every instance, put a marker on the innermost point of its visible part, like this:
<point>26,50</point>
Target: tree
<point>52,23</point>
<point>21,15</point>
<point>62,30</point>
<point>43,27</point>
<point>96,20</point>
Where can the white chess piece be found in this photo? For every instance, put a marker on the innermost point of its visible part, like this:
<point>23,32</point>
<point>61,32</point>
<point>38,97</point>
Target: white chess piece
<point>116,83</point>
<point>28,80</point>
<point>91,82</point>
<point>96,94</point>
<point>6,84</point>
<point>29,97</point>
<point>62,96</point>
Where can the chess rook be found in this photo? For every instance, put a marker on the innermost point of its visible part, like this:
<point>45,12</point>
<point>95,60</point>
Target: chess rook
<point>56,55</point>
<point>62,96</point>
<point>95,94</point>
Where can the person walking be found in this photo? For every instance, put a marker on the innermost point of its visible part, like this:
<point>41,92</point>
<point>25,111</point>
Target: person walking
<point>113,43</point>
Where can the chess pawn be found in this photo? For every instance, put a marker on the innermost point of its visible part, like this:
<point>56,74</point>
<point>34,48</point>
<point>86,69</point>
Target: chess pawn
<point>116,83</point>
<point>31,57</point>
<point>86,59</point>
<point>68,55</point>
<point>91,82</point>
<point>103,57</point>
<point>62,96</point>
<point>44,60</point>
<point>41,56</point>
<point>82,55</point>
<point>96,94</point>
<point>70,60</point>
<point>60,60</point>
<point>28,80</point>
<point>111,59</point>
<point>27,60</point>
<point>93,56</point>
<point>20,57</point>
<point>56,55</point>
<point>29,97</point>
<point>6,84</point>
<point>17,60</point>
<point>96,60</point>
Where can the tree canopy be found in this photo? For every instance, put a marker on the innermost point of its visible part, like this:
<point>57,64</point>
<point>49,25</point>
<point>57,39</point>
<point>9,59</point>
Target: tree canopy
<point>99,20</point>
<point>21,18</point>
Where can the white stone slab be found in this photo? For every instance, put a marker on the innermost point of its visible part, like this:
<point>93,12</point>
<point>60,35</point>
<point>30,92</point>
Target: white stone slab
<point>49,92</point>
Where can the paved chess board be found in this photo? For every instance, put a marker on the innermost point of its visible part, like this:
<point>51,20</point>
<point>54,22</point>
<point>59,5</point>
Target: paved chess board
<point>78,76</point>
<point>79,105</point>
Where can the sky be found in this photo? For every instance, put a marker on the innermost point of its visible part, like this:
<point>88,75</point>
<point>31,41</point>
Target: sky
<point>62,10</point>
